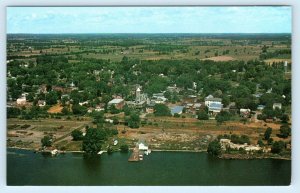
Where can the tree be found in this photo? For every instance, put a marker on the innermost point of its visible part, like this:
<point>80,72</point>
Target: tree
<point>77,135</point>
<point>79,110</point>
<point>93,140</point>
<point>285,131</point>
<point>65,111</point>
<point>202,115</point>
<point>268,133</point>
<point>260,143</point>
<point>277,147</point>
<point>51,98</point>
<point>46,141</point>
<point>214,148</point>
<point>223,116</point>
<point>134,121</point>
<point>161,110</point>
<point>124,148</point>
<point>284,118</point>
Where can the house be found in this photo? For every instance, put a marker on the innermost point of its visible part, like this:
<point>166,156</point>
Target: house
<point>211,99</point>
<point>197,106</point>
<point>99,107</point>
<point>41,103</point>
<point>245,113</point>
<point>149,109</point>
<point>118,103</point>
<point>83,103</point>
<point>177,110</point>
<point>260,107</point>
<point>143,147</point>
<point>215,108</point>
<point>21,101</point>
<point>277,105</point>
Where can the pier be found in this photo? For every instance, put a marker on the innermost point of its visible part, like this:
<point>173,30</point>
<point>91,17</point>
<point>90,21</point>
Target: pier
<point>134,157</point>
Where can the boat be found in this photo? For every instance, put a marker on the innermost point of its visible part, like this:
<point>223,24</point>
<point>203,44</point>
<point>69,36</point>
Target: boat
<point>100,152</point>
<point>141,157</point>
<point>148,152</point>
<point>54,152</point>
<point>115,142</point>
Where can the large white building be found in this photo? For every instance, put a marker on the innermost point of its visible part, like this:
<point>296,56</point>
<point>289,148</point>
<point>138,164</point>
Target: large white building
<point>21,101</point>
<point>211,99</point>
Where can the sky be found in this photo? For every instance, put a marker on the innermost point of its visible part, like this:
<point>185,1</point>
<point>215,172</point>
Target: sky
<point>251,19</point>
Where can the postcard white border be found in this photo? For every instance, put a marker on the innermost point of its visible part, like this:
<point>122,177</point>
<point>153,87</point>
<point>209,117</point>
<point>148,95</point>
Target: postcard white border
<point>145,189</point>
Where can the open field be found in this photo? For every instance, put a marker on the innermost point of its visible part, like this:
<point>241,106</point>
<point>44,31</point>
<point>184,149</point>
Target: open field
<point>33,131</point>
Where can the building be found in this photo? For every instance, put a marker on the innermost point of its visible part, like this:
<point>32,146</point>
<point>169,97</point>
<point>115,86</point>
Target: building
<point>21,101</point>
<point>177,110</point>
<point>118,103</point>
<point>215,108</point>
<point>260,107</point>
<point>277,105</point>
<point>149,109</point>
<point>41,103</point>
<point>140,98</point>
<point>211,99</point>
<point>143,147</point>
<point>245,113</point>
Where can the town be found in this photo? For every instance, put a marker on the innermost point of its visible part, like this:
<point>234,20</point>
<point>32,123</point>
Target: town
<point>229,95</point>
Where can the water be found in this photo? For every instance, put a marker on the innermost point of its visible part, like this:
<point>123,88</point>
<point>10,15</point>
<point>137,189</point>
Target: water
<point>159,168</point>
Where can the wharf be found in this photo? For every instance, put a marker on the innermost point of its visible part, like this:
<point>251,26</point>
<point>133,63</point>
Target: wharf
<point>134,157</point>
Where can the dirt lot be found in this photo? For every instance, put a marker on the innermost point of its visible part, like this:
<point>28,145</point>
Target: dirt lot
<point>28,133</point>
<point>220,58</point>
<point>55,109</point>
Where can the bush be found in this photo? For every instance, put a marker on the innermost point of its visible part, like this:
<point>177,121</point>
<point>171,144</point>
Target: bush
<point>268,133</point>
<point>109,150</point>
<point>202,115</point>
<point>285,131</point>
<point>270,141</point>
<point>214,148</point>
<point>124,148</point>
<point>114,132</point>
<point>77,135</point>
<point>260,143</point>
<point>223,116</point>
<point>176,115</point>
<point>46,141</point>
<point>277,147</point>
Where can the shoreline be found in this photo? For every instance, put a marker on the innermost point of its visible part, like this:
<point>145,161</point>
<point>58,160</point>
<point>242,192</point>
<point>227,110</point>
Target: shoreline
<point>224,156</point>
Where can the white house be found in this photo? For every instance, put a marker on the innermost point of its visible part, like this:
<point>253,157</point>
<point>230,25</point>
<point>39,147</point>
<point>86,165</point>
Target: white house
<point>277,105</point>
<point>21,101</point>
<point>211,99</point>
<point>143,147</point>
<point>41,103</point>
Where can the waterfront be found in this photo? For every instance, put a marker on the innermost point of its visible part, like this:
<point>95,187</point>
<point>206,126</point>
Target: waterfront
<point>159,168</point>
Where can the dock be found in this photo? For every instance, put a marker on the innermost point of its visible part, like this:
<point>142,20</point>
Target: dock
<point>134,157</point>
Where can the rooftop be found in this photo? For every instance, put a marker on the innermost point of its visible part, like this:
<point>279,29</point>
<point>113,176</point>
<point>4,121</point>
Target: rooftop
<point>115,101</point>
<point>215,106</point>
<point>176,109</point>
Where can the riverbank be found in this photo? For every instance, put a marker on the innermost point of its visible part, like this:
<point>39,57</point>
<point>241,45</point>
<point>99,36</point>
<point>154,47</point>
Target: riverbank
<point>253,156</point>
<point>223,156</point>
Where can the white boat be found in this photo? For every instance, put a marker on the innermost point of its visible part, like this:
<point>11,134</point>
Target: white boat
<point>115,142</point>
<point>148,152</point>
<point>100,152</point>
<point>54,152</point>
<point>141,157</point>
